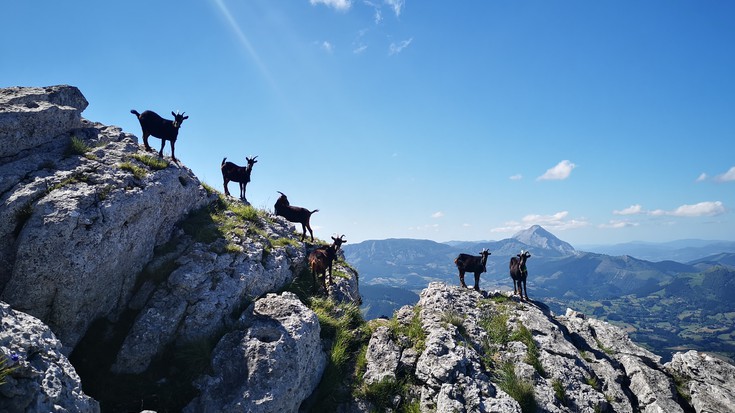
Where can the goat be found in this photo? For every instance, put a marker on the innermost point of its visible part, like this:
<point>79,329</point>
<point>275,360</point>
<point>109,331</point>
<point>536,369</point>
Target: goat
<point>163,129</point>
<point>321,259</point>
<point>239,174</point>
<point>294,214</point>
<point>474,264</point>
<point>519,273</point>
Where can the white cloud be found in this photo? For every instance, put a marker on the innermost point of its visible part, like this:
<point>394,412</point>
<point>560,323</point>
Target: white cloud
<point>702,177</point>
<point>359,49</point>
<point>697,210</point>
<point>557,221</point>
<point>398,48</point>
<point>727,176</point>
<point>617,224</point>
<point>560,172</point>
<point>631,210</point>
<point>437,214</point>
<point>327,47</point>
<point>397,5</point>
<point>516,177</point>
<point>342,5</point>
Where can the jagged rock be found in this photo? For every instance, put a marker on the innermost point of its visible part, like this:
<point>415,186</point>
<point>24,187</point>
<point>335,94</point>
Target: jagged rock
<point>708,381</point>
<point>33,116</point>
<point>382,356</point>
<point>78,228</point>
<point>271,364</point>
<point>42,379</point>
<point>204,292</point>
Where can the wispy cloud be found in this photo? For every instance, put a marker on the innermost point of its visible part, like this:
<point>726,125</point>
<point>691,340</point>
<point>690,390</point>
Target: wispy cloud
<point>396,48</point>
<point>437,214</point>
<point>559,172</point>
<point>617,224</point>
<point>342,5</point>
<point>631,210</point>
<point>728,176</point>
<point>516,177</point>
<point>397,5</point>
<point>558,221</point>
<point>327,47</point>
<point>702,177</point>
<point>701,209</point>
<point>359,49</point>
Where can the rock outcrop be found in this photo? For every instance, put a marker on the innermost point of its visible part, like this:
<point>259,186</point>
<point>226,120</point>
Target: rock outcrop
<point>78,225</point>
<point>42,379</point>
<point>270,364</point>
<point>480,347</point>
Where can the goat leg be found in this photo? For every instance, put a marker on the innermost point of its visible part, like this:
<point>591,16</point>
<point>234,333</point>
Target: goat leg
<point>145,142</point>
<point>477,281</point>
<point>461,279</point>
<point>173,149</point>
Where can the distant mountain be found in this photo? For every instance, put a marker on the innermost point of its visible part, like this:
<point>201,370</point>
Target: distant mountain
<point>681,250</point>
<point>681,301</point>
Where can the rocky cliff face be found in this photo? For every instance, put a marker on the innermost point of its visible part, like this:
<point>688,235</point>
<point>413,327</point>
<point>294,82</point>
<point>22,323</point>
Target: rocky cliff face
<point>489,353</point>
<point>166,295</point>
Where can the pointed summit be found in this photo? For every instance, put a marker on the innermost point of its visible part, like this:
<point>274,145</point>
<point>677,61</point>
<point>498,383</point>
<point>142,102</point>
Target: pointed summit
<point>536,236</point>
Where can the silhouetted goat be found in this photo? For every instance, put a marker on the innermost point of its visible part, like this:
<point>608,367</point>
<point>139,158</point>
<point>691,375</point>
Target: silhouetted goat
<point>294,214</point>
<point>321,259</point>
<point>519,273</point>
<point>472,263</point>
<point>163,129</point>
<point>239,174</point>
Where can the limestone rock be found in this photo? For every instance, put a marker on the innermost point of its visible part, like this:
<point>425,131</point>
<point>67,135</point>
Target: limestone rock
<point>271,364</point>
<point>78,228</point>
<point>708,381</point>
<point>42,379</point>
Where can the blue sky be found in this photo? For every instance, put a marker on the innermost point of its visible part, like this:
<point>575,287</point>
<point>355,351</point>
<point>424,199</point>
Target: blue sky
<point>603,121</point>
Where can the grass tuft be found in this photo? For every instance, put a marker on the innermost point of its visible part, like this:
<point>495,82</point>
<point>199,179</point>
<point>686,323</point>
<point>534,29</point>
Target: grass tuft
<point>152,162</point>
<point>520,390</point>
<point>76,147</point>
<point>136,170</point>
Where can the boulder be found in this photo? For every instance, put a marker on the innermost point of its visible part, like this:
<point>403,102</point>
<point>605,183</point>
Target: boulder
<point>708,381</point>
<point>41,378</point>
<point>272,363</point>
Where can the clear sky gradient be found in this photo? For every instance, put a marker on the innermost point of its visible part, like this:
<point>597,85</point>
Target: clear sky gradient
<point>602,121</point>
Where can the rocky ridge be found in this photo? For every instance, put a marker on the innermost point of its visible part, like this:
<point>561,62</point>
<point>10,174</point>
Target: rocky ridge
<point>178,308</point>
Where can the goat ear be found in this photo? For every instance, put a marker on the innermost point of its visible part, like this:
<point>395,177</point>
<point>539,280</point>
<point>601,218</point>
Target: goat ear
<point>173,114</point>
<point>185,117</point>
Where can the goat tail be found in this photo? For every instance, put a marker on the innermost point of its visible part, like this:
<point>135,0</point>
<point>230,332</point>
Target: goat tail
<point>135,112</point>
<point>316,210</point>
<point>223,162</point>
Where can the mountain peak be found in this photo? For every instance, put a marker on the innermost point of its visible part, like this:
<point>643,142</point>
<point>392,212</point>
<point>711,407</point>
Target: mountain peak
<point>537,236</point>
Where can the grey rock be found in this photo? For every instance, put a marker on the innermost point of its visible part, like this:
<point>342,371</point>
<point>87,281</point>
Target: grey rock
<point>78,228</point>
<point>271,364</point>
<point>708,381</point>
<point>382,356</point>
<point>42,379</point>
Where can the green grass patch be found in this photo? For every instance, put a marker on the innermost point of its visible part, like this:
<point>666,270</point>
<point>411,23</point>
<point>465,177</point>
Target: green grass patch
<point>5,369</point>
<point>76,147</point>
<point>136,170</point>
<point>413,330</point>
<point>520,390</point>
<point>559,392</point>
<point>602,347</point>
<point>533,353</point>
<point>456,319</point>
<point>152,162</point>
<point>495,323</point>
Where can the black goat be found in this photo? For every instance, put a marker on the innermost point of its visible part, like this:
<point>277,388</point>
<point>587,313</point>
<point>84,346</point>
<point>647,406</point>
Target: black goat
<point>472,263</point>
<point>163,129</point>
<point>239,174</point>
<point>321,259</point>
<point>294,214</point>
<point>519,273</point>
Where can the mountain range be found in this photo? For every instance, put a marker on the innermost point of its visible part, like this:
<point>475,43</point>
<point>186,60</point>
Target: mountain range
<point>665,304</point>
